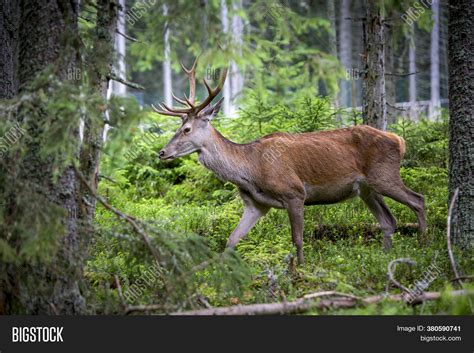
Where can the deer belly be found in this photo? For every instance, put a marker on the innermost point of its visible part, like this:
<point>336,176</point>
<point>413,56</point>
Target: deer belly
<point>331,193</point>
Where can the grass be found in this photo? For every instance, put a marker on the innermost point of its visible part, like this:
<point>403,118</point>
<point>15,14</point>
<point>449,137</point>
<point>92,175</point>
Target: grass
<point>342,250</point>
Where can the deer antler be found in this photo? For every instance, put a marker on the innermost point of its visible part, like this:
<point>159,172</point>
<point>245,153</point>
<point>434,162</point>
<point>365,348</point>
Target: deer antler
<point>191,73</point>
<point>190,102</point>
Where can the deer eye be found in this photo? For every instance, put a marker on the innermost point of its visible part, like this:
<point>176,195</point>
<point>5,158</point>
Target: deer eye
<point>187,130</point>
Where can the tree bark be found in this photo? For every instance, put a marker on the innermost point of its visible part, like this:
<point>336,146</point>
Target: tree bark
<point>117,88</point>
<point>167,77</point>
<point>374,103</point>
<point>345,51</point>
<point>390,79</point>
<point>47,36</point>
<point>226,93</point>
<point>237,33</point>
<point>461,122</point>
<point>9,22</point>
<point>435,103</point>
<point>412,94</point>
<point>100,68</point>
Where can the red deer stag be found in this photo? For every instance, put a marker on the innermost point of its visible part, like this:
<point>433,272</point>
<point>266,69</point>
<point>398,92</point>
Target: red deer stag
<point>289,171</point>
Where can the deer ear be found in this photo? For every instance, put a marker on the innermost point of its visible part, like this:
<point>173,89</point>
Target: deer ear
<point>210,112</point>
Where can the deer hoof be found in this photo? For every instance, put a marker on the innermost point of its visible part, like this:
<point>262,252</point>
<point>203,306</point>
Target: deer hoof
<point>387,243</point>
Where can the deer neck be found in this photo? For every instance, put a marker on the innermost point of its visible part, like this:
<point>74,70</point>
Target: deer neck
<point>228,160</point>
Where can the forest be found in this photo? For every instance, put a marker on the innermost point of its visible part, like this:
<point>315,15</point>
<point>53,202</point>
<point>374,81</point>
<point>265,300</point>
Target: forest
<point>97,216</point>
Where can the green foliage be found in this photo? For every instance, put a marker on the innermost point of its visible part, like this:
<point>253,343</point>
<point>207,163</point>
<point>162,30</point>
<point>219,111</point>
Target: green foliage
<point>286,51</point>
<point>426,141</point>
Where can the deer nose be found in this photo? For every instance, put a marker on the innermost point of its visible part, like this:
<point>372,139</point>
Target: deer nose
<point>161,154</point>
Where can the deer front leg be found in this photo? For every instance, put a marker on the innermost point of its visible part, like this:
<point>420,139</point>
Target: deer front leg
<point>252,213</point>
<point>295,210</point>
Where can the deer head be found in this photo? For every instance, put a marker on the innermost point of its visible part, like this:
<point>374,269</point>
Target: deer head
<point>195,129</point>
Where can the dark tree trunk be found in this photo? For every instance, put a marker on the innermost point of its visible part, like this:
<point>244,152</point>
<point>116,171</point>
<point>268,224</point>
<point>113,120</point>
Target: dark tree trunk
<point>461,122</point>
<point>47,34</point>
<point>100,69</point>
<point>9,21</point>
<point>373,88</point>
<point>47,38</point>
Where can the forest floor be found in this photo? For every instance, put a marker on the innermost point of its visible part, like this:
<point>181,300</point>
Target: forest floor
<point>342,246</point>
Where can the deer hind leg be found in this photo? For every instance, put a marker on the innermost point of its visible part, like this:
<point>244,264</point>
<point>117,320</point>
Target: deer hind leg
<point>253,211</point>
<point>400,193</point>
<point>382,213</point>
<point>295,210</point>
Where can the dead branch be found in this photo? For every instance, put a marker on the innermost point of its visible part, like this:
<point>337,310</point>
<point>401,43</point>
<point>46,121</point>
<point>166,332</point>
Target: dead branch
<point>395,107</point>
<point>304,304</point>
<point>401,74</point>
<point>143,308</point>
<point>461,278</point>
<point>114,77</point>
<point>329,293</point>
<point>391,268</point>
<point>126,36</point>
<point>132,221</point>
<point>132,308</point>
<point>448,237</point>
<point>120,293</point>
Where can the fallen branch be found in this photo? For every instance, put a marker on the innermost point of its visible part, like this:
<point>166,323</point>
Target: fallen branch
<point>391,268</point>
<point>305,304</point>
<point>120,293</point>
<point>448,237</point>
<point>461,278</point>
<point>143,308</point>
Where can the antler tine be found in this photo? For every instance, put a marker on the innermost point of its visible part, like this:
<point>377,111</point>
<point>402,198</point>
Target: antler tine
<point>179,100</point>
<point>164,112</point>
<point>212,93</point>
<point>191,73</point>
<point>176,110</point>
<point>191,104</point>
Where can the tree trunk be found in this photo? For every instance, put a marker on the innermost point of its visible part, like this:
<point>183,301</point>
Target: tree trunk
<point>332,40</point>
<point>390,79</point>
<point>236,77</point>
<point>226,93</point>
<point>167,76</point>
<point>46,36</point>
<point>100,68</point>
<point>374,104</point>
<point>345,51</point>
<point>117,88</point>
<point>461,122</point>
<point>9,22</point>
<point>411,70</point>
<point>435,100</point>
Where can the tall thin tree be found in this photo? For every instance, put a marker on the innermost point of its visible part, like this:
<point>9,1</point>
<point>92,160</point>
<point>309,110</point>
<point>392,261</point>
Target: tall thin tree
<point>434,59</point>
<point>345,50</point>
<point>412,94</point>
<point>373,89</point>
<point>167,75</point>
<point>225,29</point>
<point>461,119</point>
